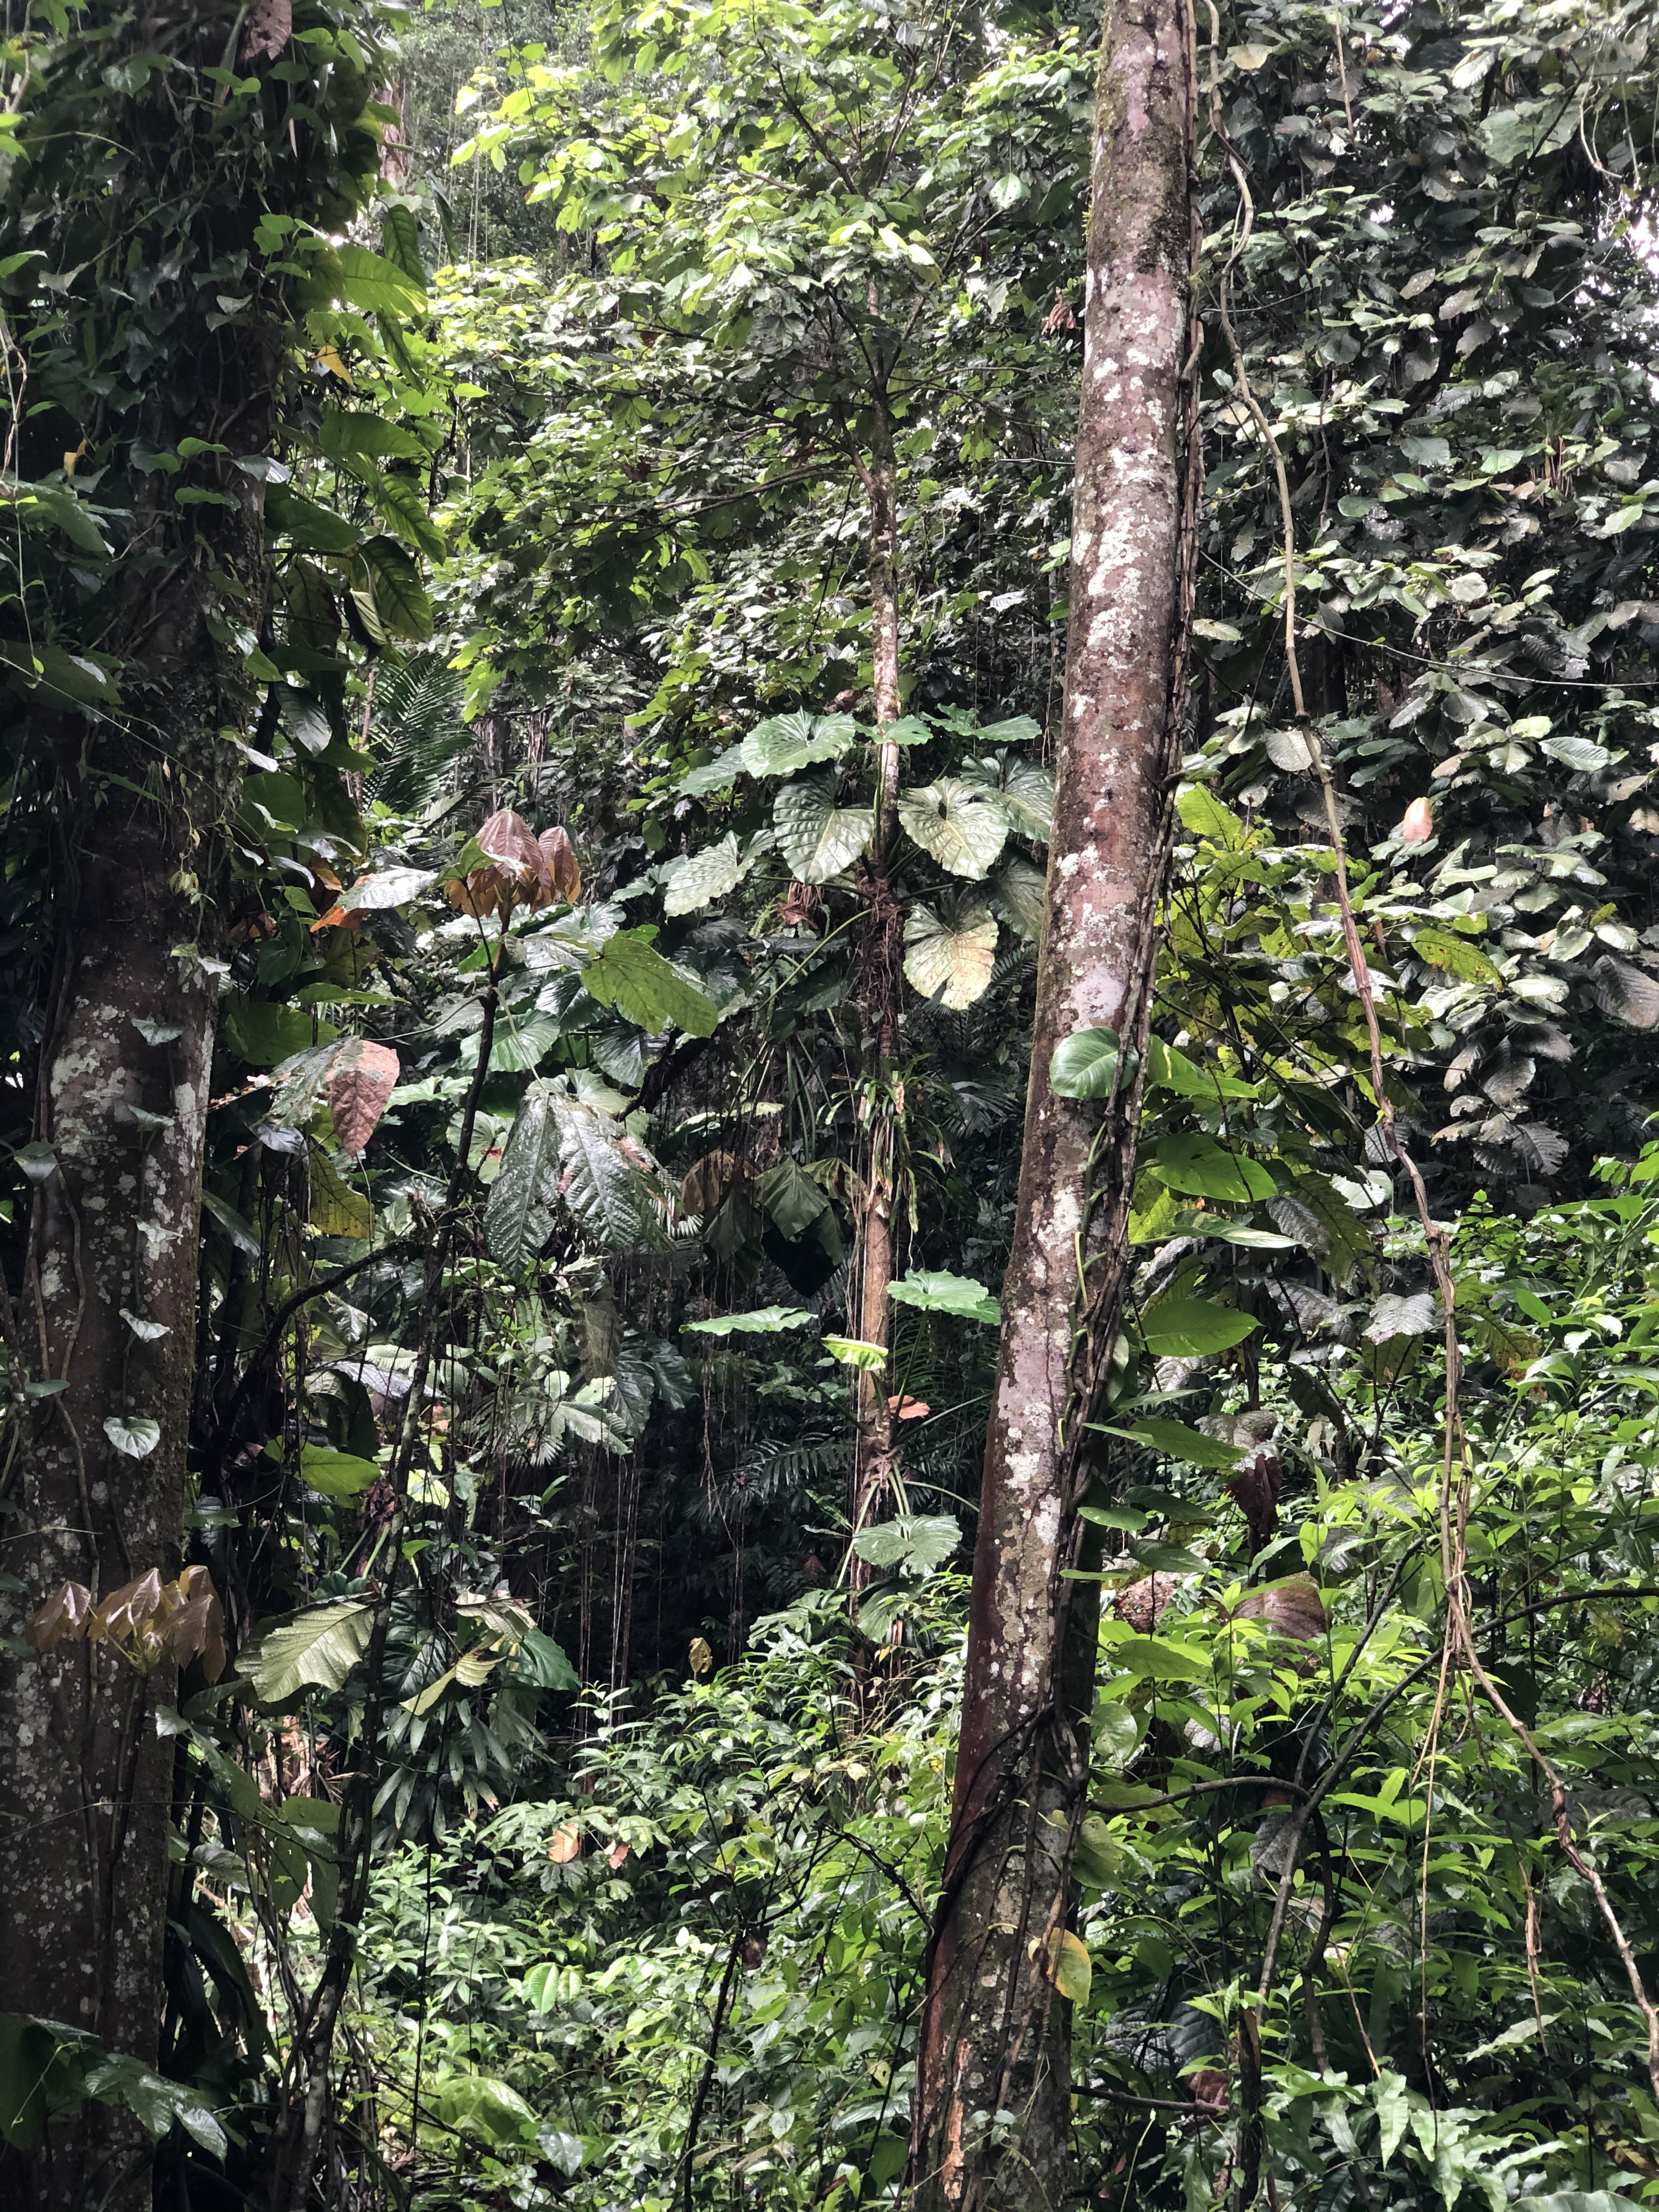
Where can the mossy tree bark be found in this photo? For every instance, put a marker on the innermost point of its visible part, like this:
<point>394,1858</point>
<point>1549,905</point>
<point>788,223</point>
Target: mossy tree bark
<point>995,2031</point>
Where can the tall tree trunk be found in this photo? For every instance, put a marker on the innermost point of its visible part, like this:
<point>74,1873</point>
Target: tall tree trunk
<point>995,2033</point>
<point>85,1779</point>
<point>880,975</point>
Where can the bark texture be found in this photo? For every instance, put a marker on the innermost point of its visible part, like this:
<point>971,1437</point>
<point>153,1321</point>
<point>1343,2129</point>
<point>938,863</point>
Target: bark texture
<point>994,2033</point>
<point>85,1779</point>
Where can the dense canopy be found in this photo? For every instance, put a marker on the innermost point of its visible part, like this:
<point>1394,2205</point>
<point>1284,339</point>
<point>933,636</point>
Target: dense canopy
<point>545,798</point>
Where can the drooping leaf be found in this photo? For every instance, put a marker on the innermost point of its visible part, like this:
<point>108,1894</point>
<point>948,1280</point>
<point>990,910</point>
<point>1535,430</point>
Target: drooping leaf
<point>523,1201</point>
<point>1173,1071</point>
<point>480,2106</point>
<point>762,1322</point>
<point>317,1649</point>
<point>1176,1441</point>
<point>853,1351</point>
<point>950,957</point>
<point>1017,893</point>
<point>819,839</point>
<point>338,1210</point>
<point>938,1291</point>
<point>1191,1329</point>
<point>628,974</point>
<point>959,827</point>
<point>400,600</point>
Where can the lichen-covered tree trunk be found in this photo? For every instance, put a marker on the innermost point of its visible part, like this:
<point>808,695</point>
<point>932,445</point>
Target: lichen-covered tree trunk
<point>991,2117</point>
<point>107,1311</point>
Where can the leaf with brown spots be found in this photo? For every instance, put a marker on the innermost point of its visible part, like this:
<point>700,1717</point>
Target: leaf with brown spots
<point>359,1083</point>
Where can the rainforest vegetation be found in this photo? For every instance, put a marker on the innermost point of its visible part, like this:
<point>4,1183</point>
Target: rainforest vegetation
<point>829,1179</point>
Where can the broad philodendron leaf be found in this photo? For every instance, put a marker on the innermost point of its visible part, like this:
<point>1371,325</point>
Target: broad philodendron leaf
<point>762,1322</point>
<point>1085,1065</point>
<point>788,742</point>
<point>950,957</point>
<point>628,974</point>
<point>336,1474</point>
<point>918,1543</point>
<point>520,1212</point>
<point>697,878</point>
<point>957,826</point>
<point>1022,791</point>
<point>314,1650</point>
<point>853,1351</point>
<point>1202,1168</point>
<point>936,1291</point>
<point>1017,894</point>
<point>490,2110</point>
<point>819,839</point>
<point>1191,1329</point>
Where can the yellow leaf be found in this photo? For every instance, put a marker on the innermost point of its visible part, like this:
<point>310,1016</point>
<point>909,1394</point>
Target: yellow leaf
<point>332,361</point>
<point>336,1210</point>
<point>563,1843</point>
<point>1068,1965</point>
<point>701,1658</point>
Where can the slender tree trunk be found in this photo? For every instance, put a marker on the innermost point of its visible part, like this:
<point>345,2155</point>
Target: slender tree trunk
<point>995,2033</point>
<point>881,978</point>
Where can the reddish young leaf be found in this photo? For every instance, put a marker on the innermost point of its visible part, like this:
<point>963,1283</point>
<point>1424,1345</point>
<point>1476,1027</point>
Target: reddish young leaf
<point>361,1079</point>
<point>62,1619</point>
<point>564,869</point>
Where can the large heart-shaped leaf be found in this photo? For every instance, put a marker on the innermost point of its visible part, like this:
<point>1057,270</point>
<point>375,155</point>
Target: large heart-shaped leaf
<point>760,1323</point>
<point>693,882</point>
<point>936,1291</point>
<point>787,742</point>
<point>1084,1065</point>
<point>960,828</point>
<point>1022,790</point>
<point>819,839</point>
<point>950,957</point>
<point>1017,894</point>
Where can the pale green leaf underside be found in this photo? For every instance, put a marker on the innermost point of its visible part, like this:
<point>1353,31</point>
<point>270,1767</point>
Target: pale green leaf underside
<point>960,828</point>
<point>819,839</point>
<point>950,960</point>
